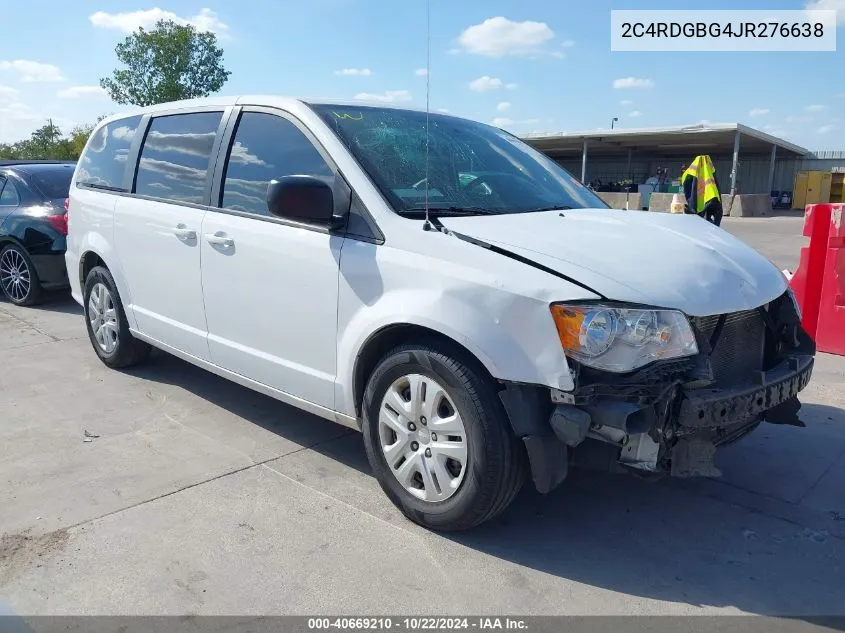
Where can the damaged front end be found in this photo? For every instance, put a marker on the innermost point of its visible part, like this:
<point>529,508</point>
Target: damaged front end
<point>670,416</point>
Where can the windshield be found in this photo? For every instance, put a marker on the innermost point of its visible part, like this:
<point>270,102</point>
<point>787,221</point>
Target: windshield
<point>52,183</point>
<point>471,166</point>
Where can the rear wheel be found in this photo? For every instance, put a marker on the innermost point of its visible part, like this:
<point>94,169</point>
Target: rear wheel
<point>438,439</point>
<point>18,278</point>
<point>106,322</point>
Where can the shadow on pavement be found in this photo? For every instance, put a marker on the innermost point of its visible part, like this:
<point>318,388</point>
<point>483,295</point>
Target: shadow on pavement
<point>57,301</point>
<point>663,540</point>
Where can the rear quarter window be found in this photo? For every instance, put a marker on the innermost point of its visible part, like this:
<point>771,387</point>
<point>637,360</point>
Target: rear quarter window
<point>53,183</point>
<point>103,164</point>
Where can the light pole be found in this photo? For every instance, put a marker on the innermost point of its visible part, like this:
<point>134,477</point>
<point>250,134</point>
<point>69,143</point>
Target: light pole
<point>613,120</point>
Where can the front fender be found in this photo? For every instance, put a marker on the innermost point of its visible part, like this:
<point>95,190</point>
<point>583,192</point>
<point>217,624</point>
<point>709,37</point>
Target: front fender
<point>512,336</point>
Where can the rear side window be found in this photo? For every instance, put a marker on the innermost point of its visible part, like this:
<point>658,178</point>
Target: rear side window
<point>175,157</point>
<point>103,164</point>
<point>52,183</point>
<point>266,147</point>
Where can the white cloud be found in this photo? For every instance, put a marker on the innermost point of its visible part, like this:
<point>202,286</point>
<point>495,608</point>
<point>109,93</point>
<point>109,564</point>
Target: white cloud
<point>421,72</point>
<point>567,43</point>
<point>815,108</point>
<point>454,51</point>
<point>7,93</point>
<point>33,71</point>
<point>205,20</point>
<point>504,106</point>
<point>758,112</point>
<point>354,72</point>
<point>74,92</point>
<point>634,83</point>
<point>506,122</point>
<point>498,37</point>
<point>634,114</point>
<point>485,83</point>
<point>388,96</point>
<point>774,130</point>
<point>837,5</point>
<point>827,129</point>
<point>626,102</point>
<point>443,110</point>
<point>512,86</point>
<point>241,154</point>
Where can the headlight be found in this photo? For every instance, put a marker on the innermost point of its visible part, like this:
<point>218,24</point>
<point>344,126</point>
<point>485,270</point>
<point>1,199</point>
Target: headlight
<point>622,339</point>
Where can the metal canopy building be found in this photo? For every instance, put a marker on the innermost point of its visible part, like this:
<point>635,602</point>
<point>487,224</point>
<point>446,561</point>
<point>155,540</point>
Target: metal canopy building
<point>746,159</point>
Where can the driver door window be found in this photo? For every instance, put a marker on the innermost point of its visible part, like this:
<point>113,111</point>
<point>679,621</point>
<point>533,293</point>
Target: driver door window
<point>266,147</point>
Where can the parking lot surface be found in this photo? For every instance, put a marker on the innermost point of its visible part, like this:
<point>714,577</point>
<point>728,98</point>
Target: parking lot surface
<point>201,497</point>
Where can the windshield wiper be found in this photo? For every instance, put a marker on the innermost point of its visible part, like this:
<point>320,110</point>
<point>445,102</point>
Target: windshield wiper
<point>539,209</point>
<point>442,211</point>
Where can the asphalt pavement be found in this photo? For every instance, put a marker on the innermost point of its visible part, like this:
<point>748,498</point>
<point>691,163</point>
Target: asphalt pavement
<point>193,495</point>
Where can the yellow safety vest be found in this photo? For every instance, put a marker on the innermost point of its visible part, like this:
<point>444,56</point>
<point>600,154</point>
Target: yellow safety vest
<point>702,169</point>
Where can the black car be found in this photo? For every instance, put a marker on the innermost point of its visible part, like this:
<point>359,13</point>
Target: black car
<point>33,227</point>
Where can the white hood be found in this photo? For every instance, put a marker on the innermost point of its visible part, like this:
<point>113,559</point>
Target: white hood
<point>659,259</point>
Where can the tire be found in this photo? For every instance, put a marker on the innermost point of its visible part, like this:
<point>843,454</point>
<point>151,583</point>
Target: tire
<point>495,464</point>
<point>116,346</point>
<point>18,277</point>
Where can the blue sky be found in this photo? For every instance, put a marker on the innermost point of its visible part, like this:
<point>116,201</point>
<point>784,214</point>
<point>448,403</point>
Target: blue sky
<point>530,66</point>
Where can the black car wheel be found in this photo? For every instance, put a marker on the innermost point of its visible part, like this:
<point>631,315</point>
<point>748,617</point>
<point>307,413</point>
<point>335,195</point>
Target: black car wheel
<point>18,277</point>
<point>438,439</point>
<point>106,322</point>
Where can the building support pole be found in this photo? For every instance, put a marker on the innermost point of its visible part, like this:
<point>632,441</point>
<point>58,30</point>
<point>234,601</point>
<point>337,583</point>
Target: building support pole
<point>735,165</point>
<point>772,168</point>
<point>628,171</point>
<point>584,163</point>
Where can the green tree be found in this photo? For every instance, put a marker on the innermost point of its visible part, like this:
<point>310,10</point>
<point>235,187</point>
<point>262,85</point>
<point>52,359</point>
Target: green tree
<point>168,63</point>
<point>78,137</point>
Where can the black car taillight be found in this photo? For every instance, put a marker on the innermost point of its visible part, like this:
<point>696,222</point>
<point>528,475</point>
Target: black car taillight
<point>59,222</point>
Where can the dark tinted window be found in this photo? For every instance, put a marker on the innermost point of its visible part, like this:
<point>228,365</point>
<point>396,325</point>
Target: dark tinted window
<point>104,162</point>
<point>9,195</point>
<point>174,159</point>
<point>266,147</point>
<point>52,183</point>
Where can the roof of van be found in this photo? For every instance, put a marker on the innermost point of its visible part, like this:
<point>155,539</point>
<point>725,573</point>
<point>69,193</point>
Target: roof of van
<point>260,99</point>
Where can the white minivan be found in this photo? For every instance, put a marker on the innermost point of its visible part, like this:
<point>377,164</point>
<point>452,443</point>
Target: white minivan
<point>435,283</point>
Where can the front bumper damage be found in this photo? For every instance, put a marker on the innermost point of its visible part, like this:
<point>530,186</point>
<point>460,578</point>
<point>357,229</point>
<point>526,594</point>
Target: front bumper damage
<point>670,417</point>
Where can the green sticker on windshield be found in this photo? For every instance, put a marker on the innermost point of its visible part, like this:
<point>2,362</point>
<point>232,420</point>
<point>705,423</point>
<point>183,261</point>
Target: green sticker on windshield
<point>348,116</point>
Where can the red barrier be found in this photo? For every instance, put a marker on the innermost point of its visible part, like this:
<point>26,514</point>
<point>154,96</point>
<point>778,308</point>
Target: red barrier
<point>809,277</point>
<point>830,333</point>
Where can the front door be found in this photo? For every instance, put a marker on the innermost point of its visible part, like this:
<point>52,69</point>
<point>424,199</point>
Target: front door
<point>157,236</point>
<point>270,287</point>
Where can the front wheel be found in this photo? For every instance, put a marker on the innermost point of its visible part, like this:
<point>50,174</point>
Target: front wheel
<point>438,438</point>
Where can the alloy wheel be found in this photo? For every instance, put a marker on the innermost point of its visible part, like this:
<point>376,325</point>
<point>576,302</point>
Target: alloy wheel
<point>15,276</point>
<point>103,318</point>
<point>422,438</point>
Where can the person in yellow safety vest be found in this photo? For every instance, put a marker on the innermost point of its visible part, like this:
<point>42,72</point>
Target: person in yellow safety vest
<point>701,189</point>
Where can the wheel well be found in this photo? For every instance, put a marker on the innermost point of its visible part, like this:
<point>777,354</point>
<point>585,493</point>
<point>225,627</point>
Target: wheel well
<point>392,336</point>
<point>87,263</point>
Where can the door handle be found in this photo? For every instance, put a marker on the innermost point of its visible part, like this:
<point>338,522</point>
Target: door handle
<point>184,233</point>
<point>219,239</point>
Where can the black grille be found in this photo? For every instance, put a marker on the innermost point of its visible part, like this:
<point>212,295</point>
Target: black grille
<point>738,352</point>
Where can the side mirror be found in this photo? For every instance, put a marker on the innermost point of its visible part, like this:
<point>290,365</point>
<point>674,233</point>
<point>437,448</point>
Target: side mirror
<point>302,198</point>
